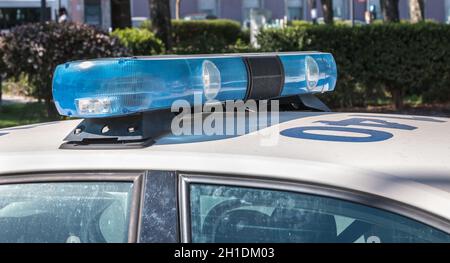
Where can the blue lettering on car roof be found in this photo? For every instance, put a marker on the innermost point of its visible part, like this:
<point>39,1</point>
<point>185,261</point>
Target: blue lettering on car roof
<point>301,133</point>
<point>341,126</point>
<point>376,123</point>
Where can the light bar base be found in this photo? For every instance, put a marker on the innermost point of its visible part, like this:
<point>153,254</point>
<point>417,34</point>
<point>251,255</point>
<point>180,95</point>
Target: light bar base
<point>127,132</point>
<point>303,102</point>
<point>312,102</point>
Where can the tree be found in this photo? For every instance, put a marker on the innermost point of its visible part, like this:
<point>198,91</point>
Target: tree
<point>313,10</point>
<point>1,87</point>
<point>391,15</point>
<point>390,10</point>
<point>2,67</point>
<point>120,14</point>
<point>177,9</point>
<point>43,10</point>
<point>416,10</point>
<point>327,10</point>
<point>161,21</point>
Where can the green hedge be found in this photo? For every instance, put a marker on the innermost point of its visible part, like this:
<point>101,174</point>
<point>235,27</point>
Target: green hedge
<point>139,41</point>
<point>396,59</point>
<point>300,23</point>
<point>36,49</point>
<point>204,36</point>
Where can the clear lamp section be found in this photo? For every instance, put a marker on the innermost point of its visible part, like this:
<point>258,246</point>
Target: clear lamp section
<point>116,87</point>
<point>308,72</point>
<point>211,80</point>
<point>120,86</point>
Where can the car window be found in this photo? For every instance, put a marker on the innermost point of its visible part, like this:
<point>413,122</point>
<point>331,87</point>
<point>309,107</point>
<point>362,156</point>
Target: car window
<point>65,212</point>
<point>240,214</point>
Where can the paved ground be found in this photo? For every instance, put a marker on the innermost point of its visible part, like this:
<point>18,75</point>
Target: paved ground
<point>11,99</point>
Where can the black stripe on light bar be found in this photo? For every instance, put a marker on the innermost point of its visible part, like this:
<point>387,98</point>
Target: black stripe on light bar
<point>265,77</point>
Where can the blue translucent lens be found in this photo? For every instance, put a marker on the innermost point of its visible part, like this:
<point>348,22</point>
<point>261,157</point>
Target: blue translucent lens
<point>114,87</point>
<point>308,73</point>
<point>121,86</point>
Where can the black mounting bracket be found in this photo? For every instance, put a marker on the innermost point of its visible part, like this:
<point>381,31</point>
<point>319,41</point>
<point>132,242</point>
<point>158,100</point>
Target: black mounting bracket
<point>312,102</point>
<point>126,132</point>
<point>303,102</point>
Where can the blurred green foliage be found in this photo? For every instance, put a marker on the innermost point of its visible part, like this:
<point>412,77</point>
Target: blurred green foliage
<point>23,114</point>
<point>375,60</point>
<point>300,23</point>
<point>140,41</point>
<point>36,49</point>
<point>18,86</point>
<point>204,36</point>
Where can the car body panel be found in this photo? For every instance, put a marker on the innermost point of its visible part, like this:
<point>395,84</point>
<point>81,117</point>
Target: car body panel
<point>412,166</point>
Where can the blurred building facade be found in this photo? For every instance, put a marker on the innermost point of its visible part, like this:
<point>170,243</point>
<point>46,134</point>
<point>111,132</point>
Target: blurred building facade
<point>14,12</point>
<point>239,10</point>
<point>110,14</point>
<point>105,14</point>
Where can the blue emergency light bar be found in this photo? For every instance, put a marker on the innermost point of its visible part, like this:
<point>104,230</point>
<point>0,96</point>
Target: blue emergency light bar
<point>120,86</point>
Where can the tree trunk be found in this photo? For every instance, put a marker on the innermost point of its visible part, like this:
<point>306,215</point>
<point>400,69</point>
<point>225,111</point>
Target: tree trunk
<point>1,87</point>
<point>161,21</point>
<point>52,113</point>
<point>397,98</point>
<point>120,14</point>
<point>416,10</point>
<point>313,6</point>
<point>177,9</point>
<point>327,10</point>
<point>390,10</point>
<point>43,11</point>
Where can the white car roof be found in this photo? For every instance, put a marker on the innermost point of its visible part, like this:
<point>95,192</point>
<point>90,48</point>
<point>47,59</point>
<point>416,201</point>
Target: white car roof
<point>411,166</point>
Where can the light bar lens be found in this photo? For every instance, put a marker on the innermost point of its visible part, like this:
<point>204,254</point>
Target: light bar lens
<point>115,87</point>
<point>309,73</point>
<point>211,79</point>
<point>93,106</point>
<point>121,86</point>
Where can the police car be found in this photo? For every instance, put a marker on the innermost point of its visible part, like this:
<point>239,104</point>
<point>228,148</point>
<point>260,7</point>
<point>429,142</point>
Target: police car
<point>134,166</point>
